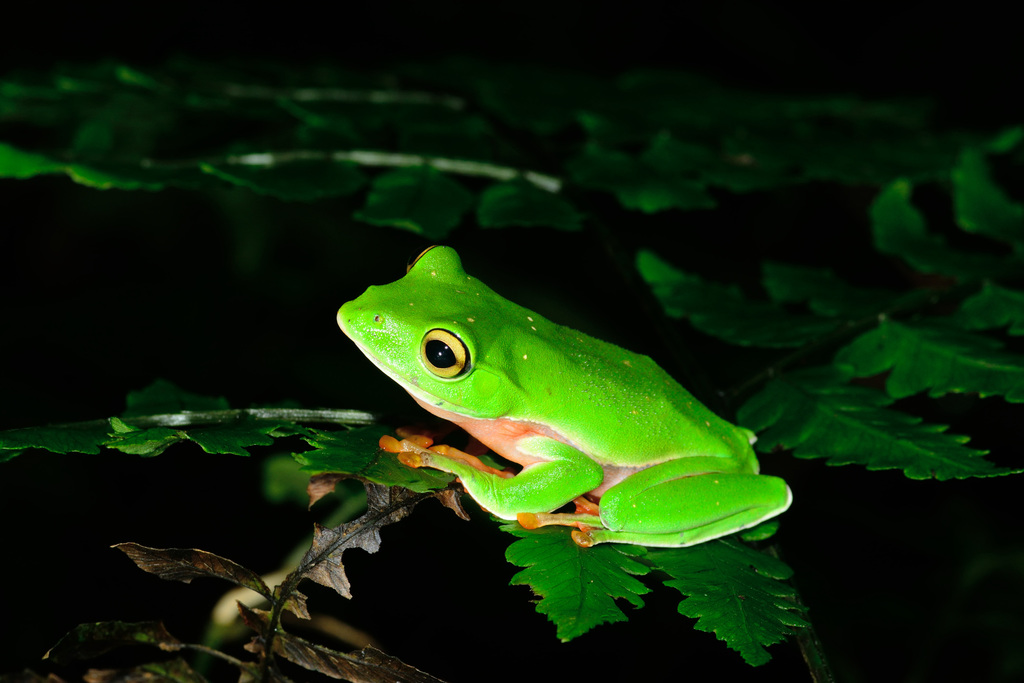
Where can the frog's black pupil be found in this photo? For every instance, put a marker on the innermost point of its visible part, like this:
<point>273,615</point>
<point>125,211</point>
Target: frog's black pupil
<point>439,354</point>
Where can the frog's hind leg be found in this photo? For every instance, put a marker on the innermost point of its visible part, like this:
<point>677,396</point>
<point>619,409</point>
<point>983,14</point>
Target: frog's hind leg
<point>659,509</point>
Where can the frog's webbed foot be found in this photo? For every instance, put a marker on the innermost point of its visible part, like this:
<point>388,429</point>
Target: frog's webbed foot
<point>417,450</point>
<point>584,519</point>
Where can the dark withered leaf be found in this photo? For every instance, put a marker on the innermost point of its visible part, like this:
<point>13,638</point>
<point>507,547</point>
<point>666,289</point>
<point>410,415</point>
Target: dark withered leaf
<point>322,562</point>
<point>368,665</point>
<point>185,564</point>
<point>256,619</point>
<point>296,604</point>
<point>321,485</point>
<point>452,499</point>
<point>29,676</point>
<point>86,641</point>
<point>174,670</point>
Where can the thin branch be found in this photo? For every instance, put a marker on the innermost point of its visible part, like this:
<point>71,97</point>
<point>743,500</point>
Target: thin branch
<point>374,158</point>
<point>379,96</point>
<point>807,637</point>
<point>212,652</point>
<point>189,418</point>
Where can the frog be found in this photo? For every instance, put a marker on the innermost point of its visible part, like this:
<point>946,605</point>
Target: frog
<point>605,441</point>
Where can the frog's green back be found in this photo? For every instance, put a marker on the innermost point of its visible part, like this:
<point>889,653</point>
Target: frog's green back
<point>610,400</point>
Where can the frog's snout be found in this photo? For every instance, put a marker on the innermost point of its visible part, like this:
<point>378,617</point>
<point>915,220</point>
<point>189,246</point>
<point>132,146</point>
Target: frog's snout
<point>347,316</point>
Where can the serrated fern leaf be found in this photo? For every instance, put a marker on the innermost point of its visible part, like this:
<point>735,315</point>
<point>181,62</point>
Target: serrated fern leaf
<point>355,451</point>
<point>939,359</point>
<point>993,307</point>
<point>818,415</point>
<point>981,206</point>
<point>899,230</point>
<point>577,586</point>
<point>734,592</point>
<point>824,292</point>
<point>723,311</point>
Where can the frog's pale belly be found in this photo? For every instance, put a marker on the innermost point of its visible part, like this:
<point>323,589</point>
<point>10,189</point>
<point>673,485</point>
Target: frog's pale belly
<point>503,435</point>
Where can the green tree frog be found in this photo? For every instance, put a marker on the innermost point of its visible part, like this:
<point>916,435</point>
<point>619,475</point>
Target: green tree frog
<point>588,422</point>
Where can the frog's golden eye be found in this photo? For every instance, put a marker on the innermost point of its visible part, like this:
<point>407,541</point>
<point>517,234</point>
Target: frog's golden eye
<point>412,262</point>
<point>444,354</point>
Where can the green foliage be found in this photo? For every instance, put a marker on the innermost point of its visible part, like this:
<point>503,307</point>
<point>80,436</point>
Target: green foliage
<point>900,231</point>
<point>836,364</point>
<point>816,413</point>
<point>109,126</point>
<point>418,199</point>
<point>723,311</point>
<point>577,587</point>
<point>734,592</point>
<point>935,358</point>
<point>348,451</point>
<point>993,307</point>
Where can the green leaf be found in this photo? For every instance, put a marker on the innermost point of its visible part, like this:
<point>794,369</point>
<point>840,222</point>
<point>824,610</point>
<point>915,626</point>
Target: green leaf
<point>304,181</point>
<point>711,166</point>
<point>165,397</point>
<point>83,437</point>
<point>992,307</point>
<point>817,414</point>
<point>16,163</point>
<point>145,442</point>
<point>723,311</point>
<point>825,293</point>
<point>937,358</point>
<point>577,586</point>
<point>899,230</point>
<point>518,202</point>
<point>734,592</point>
<point>637,184</point>
<point>421,200</point>
<point>235,436</point>
<point>980,205</point>
<point>355,452</point>
<point>232,436</point>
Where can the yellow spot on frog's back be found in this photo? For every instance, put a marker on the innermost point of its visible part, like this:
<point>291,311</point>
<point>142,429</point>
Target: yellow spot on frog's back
<point>529,318</point>
<point>470,320</point>
<point>524,356</point>
<point>627,363</point>
<point>533,328</point>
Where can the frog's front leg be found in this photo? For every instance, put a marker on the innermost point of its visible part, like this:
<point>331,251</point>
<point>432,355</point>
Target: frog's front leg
<point>558,474</point>
<point>417,450</point>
